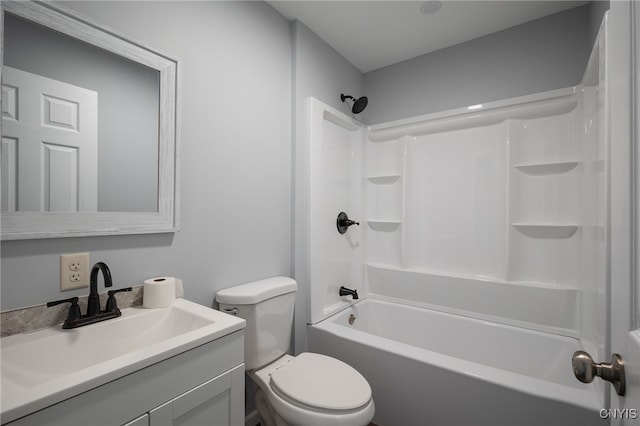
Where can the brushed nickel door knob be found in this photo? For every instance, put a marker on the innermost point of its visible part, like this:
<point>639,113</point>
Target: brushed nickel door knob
<point>585,369</point>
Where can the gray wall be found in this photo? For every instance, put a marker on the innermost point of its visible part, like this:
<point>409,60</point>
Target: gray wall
<point>128,99</point>
<point>540,55</point>
<point>236,157</point>
<point>322,73</point>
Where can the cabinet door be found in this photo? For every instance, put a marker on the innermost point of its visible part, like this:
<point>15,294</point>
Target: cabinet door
<point>217,402</point>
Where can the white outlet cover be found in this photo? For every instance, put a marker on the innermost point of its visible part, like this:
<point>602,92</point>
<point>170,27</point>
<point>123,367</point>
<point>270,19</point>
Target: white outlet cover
<point>71,277</point>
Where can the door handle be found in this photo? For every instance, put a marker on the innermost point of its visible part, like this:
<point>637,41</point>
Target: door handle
<point>585,370</point>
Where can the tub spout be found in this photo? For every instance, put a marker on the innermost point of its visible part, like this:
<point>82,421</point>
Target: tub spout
<point>348,292</point>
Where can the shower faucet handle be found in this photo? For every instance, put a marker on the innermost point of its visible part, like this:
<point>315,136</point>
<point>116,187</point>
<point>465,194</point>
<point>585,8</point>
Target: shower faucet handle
<point>343,222</point>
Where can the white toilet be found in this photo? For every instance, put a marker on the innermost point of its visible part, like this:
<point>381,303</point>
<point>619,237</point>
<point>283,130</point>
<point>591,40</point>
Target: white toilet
<point>309,389</point>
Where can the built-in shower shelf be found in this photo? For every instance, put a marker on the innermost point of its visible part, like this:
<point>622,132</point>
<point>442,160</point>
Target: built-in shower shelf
<point>384,225</point>
<point>384,179</point>
<point>542,169</point>
<point>546,230</point>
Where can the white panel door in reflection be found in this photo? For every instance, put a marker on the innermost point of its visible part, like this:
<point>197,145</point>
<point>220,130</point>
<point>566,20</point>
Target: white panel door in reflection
<point>49,144</point>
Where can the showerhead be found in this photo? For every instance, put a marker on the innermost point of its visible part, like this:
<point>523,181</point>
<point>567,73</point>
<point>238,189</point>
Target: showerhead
<point>358,104</point>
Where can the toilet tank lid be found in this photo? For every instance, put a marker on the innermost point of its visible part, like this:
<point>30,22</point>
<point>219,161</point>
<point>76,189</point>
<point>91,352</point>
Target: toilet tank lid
<point>256,291</point>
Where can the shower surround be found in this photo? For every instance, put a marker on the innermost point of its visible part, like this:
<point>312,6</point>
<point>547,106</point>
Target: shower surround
<point>494,212</point>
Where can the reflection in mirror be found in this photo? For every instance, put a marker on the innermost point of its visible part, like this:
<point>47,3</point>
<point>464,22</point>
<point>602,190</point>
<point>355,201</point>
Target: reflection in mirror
<point>95,148</point>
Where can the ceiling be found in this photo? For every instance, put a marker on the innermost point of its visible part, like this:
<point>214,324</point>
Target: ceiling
<point>374,34</point>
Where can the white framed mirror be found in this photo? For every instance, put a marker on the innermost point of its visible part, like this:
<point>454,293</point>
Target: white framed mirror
<point>90,128</point>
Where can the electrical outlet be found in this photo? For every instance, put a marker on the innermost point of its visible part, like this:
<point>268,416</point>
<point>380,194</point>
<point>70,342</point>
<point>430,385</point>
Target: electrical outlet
<point>74,271</point>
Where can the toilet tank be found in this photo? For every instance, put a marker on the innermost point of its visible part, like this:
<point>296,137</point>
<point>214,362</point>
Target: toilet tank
<point>267,307</point>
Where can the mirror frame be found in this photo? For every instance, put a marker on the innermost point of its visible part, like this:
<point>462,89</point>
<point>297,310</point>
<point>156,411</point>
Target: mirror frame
<point>32,225</point>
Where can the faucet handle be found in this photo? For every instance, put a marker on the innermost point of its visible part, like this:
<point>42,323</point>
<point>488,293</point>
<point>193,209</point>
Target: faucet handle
<point>343,222</point>
<point>112,304</point>
<point>74,310</point>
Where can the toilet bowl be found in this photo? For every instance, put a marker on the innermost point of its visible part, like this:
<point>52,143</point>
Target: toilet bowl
<point>308,389</point>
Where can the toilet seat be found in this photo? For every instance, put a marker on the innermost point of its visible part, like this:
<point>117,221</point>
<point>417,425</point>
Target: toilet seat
<point>320,382</point>
<point>300,408</point>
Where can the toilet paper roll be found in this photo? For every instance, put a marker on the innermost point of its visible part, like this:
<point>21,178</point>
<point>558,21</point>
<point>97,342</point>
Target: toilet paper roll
<point>160,292</point>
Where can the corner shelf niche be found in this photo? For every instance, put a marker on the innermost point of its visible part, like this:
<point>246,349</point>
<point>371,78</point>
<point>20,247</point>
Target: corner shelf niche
<point>546,230</point>
<point>543,169</point>
<point>386,179</point>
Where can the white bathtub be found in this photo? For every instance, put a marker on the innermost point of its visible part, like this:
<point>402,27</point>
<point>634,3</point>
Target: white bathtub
<point>432,368</point>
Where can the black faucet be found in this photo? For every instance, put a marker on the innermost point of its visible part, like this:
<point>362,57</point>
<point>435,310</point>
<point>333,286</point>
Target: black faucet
<point>348,292</point>
<point>94,314</point>
<point>93,302</point>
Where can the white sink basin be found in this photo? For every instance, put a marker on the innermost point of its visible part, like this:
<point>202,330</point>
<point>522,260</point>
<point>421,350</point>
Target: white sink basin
<point>44,367</point>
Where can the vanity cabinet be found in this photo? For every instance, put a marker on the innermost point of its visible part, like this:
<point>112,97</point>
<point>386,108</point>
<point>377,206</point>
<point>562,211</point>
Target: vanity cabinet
<point>211,403</point>
<point>208,404</point>
<point>203,386</point>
